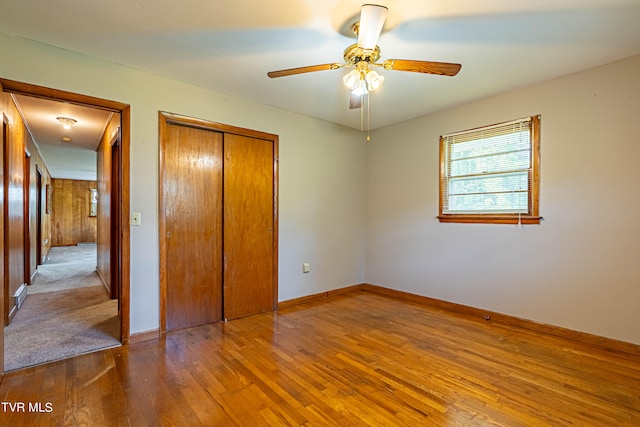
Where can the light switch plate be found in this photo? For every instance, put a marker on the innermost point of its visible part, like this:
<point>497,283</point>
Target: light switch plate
<point>136,218</point>
<point>306,267</point>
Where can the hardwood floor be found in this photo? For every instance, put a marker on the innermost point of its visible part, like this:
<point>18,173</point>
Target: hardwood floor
<point>355,359</point>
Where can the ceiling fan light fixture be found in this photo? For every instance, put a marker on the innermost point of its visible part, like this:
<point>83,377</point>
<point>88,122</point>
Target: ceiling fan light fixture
<point>372,19</point>
<point>363,56</point>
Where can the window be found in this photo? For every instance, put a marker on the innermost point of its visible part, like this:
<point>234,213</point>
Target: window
<point>491,174</point>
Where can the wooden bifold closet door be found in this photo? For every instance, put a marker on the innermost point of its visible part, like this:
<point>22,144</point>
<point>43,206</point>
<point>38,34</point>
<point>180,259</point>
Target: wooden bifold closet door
<point>217,222</point>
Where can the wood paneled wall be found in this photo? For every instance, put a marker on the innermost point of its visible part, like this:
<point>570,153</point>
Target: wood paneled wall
<point>105,185</point>
<point>37,164</point>
<point>18,143</point>
<point>14,209</point>
<point>71,222</point>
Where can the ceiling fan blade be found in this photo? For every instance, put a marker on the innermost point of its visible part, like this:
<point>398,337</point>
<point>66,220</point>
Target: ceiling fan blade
<point>427,67</point>
<point>355,101</point>
<point>301,70</point>
<point>372,19</point>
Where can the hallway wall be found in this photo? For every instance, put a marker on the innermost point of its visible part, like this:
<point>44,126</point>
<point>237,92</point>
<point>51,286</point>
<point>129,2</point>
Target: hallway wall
<point>18,145</point>
<point>105,186</point>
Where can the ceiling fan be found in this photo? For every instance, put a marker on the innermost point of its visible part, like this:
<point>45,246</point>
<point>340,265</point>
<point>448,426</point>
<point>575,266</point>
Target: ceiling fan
<point>363,56</point>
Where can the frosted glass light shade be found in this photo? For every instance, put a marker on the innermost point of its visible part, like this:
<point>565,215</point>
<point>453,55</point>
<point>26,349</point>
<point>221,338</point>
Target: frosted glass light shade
<point>374,80</point>
<point>351,79</point>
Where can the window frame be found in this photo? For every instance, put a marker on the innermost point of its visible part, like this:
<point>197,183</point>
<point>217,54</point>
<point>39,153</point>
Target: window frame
<point>531,217</point>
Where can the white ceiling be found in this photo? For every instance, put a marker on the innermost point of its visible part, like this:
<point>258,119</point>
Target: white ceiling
<point>74,159</point>
<point>230,45</point>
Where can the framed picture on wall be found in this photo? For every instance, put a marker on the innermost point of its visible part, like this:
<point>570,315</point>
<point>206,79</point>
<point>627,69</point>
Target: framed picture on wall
<point>49,204</point>
<point>93,202</point>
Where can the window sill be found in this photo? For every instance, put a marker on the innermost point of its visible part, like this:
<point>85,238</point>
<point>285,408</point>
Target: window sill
<point>491,219</point>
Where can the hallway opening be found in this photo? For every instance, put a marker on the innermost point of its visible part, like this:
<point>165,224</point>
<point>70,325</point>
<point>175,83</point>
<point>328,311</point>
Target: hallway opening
<point>106,210</point>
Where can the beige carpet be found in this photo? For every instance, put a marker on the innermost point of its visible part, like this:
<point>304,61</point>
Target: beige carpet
<point>67,312</point>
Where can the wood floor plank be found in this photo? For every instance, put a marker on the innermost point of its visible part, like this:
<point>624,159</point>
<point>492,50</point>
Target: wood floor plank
<point>353,359</point>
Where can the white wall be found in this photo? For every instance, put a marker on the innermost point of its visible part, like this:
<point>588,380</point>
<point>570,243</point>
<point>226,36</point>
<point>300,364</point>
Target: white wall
<point>322,169</point>
<point>580,268</point>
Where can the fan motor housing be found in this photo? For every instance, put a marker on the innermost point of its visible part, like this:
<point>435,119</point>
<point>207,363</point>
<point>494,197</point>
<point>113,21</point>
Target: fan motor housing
<point>354,54</point>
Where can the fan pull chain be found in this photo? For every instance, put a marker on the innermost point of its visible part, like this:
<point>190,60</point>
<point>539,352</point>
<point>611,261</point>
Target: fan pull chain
<point>368,118</point>
<point>361,115</point>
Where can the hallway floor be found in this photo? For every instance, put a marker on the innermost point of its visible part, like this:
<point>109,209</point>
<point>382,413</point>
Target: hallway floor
<point>67,311</point>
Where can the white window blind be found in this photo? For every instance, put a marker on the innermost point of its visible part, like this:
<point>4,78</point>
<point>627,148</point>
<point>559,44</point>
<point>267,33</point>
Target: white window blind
<point>488,170</point>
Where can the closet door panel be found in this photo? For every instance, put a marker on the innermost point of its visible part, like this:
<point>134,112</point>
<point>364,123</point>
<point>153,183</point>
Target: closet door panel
<point>248,226</point>
<point>192,187</point>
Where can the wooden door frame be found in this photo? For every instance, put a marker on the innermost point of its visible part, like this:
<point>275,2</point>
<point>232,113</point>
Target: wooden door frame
<point>26,213</point>
<point>5,229</point>
<point>125,120</point>
<point>114,235</point>
<point>3,275</point>
<point>39,175</point>
<point>165,119</point>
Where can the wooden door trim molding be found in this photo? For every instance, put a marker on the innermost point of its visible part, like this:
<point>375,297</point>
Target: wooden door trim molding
<point>125,246</point>
<point>167,118</point>
<point>60,95</point>
<point>177,119</point>
<point>276,212</point>
<point>26,214</point>
<point>162,225</point>
<point>3,123</point>
<point>125,118</point>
